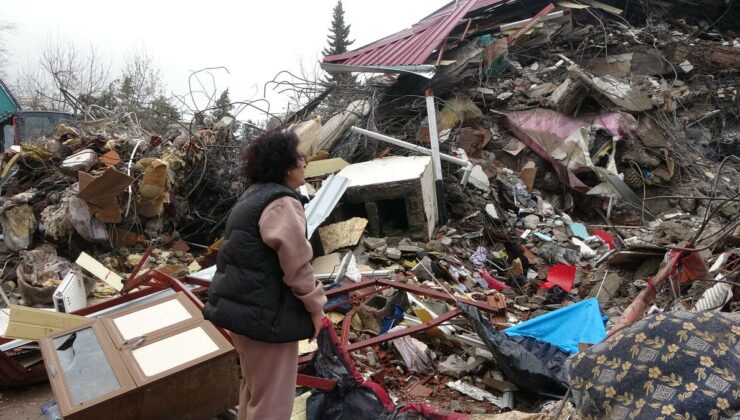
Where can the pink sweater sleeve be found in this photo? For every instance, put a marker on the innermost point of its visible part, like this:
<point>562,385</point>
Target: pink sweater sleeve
<point>283,228</point>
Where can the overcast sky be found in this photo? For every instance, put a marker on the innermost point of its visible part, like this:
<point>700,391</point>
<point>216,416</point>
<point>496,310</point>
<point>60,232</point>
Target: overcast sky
<point>253,39</point>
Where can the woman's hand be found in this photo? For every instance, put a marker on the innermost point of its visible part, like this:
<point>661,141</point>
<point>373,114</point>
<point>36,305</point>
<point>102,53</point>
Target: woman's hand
<point>317,319</point>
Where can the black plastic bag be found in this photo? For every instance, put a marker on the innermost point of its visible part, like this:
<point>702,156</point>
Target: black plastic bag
<point>531,364</point>
<point>353,398</point>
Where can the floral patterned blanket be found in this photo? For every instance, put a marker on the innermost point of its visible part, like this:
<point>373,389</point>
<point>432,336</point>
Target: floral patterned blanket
<point>681,365</point>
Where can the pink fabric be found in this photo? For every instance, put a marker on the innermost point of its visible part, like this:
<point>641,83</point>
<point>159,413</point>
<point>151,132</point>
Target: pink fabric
<point>492,282</point>
<point>543,130</point>
<point>268,381</point>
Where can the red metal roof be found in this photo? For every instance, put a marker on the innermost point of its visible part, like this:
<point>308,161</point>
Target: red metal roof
<point>412,46</point>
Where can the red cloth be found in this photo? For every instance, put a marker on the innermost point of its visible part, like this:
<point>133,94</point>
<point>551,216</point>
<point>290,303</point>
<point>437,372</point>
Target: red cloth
<point>560,275</point>
<point>606,237</point>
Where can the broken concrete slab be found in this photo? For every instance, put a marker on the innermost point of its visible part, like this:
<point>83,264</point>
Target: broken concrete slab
<point>479,179</point>
<point>457,367</point>
<point>374,243</point>
<point>343,234</point>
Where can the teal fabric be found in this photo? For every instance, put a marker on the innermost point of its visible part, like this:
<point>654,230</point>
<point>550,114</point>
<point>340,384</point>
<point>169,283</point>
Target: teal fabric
<point>564,328</point>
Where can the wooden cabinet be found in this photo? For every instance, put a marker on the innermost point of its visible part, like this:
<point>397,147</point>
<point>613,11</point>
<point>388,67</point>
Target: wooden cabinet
<point>153,361</point>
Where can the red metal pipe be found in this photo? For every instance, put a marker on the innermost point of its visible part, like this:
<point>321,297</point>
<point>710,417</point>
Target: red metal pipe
<point>418,290</point>
<point>315,382</point>
<point>346,324</point>
<point>133,282</point>
<point>406,331</point>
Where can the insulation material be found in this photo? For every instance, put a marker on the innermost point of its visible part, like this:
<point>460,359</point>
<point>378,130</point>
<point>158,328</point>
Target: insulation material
<point>308,135</point>
<point>338,124</point>
<point>153,189</point>
<point>18,221</point>
<point>55,220</point>
<point>324,167</point>
<point>458,109</point>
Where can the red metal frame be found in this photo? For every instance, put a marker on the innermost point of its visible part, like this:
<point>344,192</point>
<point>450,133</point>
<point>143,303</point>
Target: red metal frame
<point>533,21</point>
<point>132,282</point>
<point>377,284</point>
<point>12,373</point>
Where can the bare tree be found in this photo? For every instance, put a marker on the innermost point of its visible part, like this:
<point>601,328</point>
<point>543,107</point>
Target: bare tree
<point>5,28</point>
<point>74,73</point>
<point>32,87</point>
<point>140,79</point>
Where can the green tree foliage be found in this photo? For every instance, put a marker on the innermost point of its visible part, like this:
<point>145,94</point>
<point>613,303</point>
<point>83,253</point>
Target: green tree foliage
<point>338,38</point>
<point>222,107</point>
<point>337,43</point>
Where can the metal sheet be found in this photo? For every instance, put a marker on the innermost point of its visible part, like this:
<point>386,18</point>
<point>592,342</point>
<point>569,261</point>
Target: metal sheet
<point>425,70</point>
<point>324,202</point>
<point>413,45</point>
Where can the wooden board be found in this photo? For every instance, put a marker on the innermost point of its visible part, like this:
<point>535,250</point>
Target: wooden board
<point>32,324</point>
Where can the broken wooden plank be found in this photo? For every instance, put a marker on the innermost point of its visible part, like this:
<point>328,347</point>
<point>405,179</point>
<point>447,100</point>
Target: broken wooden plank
<point>100,271</point>
<point>24,323</point>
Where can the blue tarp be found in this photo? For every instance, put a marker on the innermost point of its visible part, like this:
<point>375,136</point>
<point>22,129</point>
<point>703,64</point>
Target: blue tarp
<point>564,328</point>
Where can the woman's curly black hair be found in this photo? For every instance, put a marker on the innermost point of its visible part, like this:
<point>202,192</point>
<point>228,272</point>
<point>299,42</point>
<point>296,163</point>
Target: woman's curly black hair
<point>270,156</point>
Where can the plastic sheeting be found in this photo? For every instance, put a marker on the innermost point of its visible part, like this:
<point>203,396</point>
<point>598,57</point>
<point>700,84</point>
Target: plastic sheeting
<point>353,398</point>
<point>581,322</point>
<point>564,141</point>
<point>531,364</point>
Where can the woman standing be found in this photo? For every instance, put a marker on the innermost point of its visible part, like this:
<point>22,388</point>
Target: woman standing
<point>264,291</point>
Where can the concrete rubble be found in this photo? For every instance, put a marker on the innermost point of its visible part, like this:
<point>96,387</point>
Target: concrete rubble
<point>588,153</point>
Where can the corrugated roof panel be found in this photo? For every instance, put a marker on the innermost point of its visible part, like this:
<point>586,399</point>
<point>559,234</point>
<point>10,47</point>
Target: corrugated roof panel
<point>414,45</point>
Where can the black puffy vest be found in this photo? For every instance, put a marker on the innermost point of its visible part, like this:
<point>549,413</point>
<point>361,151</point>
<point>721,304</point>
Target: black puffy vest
<point>247,294</point>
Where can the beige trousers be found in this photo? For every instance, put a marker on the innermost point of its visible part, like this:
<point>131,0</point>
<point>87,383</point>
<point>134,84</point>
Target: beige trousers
<point>268,378</point>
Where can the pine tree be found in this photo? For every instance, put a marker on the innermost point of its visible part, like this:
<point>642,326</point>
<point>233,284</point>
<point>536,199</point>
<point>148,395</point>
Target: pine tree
<point>222,107</point>
<point>338,41</point>
<point>338,33</point>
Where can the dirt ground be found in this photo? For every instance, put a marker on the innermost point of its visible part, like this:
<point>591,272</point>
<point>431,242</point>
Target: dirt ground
<point>24,403</point>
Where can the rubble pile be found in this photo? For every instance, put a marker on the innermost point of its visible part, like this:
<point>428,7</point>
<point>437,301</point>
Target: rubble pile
<point>513,247</point>
<point>109,190</point>
<point>603,148</point>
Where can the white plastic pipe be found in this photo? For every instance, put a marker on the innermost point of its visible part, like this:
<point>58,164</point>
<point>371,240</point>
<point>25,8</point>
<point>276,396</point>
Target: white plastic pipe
<point>433,135</point>
<point>467,166</point>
